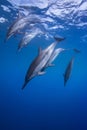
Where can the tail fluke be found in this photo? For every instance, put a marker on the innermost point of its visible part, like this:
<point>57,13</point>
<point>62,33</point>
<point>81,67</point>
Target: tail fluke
<point>59,38</point>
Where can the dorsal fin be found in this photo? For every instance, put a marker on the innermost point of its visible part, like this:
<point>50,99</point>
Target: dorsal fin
<point>20,15</point>
<point>26,33</point>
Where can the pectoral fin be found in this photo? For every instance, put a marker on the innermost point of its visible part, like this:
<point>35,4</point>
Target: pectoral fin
<point>51,65</point>
<point>20,32</point>
<point>41,73</point>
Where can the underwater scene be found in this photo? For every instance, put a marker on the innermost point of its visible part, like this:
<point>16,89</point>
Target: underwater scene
<point>43,66</point>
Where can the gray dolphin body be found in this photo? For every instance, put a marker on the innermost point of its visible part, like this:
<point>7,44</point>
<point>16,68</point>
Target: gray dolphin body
<point>28,37</point>
<point>37,65</point>
<point>19,24</point>
<point>68,70</point>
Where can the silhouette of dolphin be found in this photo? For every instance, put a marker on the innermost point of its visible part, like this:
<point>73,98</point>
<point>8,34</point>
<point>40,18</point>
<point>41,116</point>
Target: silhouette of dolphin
<point>68,71</point>
<point>69,66</point>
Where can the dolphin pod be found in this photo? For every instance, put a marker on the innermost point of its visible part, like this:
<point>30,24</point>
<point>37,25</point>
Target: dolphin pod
<point>20,23</point>
<point>39,63</point>
<point>45,57</point>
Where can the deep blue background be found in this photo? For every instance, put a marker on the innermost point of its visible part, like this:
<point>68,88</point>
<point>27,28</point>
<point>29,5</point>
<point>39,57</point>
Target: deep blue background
<point>45,104</point>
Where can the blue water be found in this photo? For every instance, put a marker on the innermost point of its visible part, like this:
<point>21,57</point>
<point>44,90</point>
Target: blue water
<point>45,104</point>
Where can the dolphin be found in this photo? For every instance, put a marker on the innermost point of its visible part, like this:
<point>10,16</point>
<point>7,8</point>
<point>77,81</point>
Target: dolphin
<point>19,24</point>
<point>37,65</point>
<point>28,37</point>
<point>69,66</point>
<point>68,70</point>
